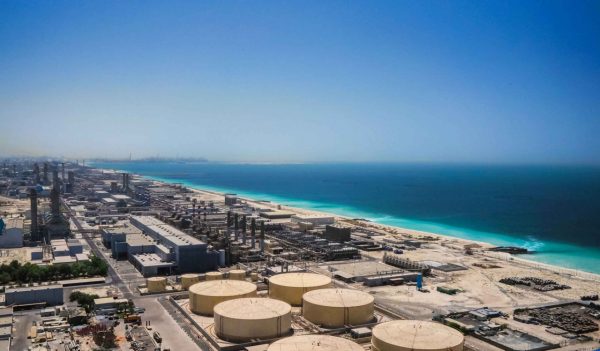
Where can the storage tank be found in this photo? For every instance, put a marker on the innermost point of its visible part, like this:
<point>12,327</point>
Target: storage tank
<point>213,276</point>
<point>205,295</point>
<point>314,343</point>
<point>408,335</point>
<point>244,319</point>
<point>290,287</point>
<point>254,276</point>
<point>156,284</point>
<point>237,274</point>
<point>188,280</point>
<point>334,308</point>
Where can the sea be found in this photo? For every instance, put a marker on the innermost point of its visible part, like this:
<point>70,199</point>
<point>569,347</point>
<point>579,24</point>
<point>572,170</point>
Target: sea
<point>552,210</point>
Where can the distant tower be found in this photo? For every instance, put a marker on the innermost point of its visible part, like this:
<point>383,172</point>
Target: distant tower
<point>34,215</point>
<point>36,172</point>
<point>71,177</point>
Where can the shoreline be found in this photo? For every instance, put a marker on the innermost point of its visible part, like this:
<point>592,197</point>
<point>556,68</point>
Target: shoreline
<point>389,229</point>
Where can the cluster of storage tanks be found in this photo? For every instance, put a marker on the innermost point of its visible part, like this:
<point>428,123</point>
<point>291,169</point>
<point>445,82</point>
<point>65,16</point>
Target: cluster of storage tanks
<point>240,316</point>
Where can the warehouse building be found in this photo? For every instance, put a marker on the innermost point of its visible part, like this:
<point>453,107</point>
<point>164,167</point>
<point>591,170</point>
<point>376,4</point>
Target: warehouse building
<point>49,295</point>
<point>156,248</point>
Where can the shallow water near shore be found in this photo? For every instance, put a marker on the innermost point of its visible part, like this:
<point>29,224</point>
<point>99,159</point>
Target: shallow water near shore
<point>551,210</point>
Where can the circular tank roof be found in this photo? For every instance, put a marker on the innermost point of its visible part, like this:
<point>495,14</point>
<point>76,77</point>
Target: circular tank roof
<point>338,297</point>
<point>190,275</point>
<point>416,335</point>
<point>300,279</point>
<point>314,343</point>
<point>157,279</point>
<point>252,308</point>
<point>222,288</point>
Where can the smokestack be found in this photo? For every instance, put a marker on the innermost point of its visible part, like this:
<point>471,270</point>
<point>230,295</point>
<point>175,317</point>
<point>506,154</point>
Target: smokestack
<point>55,182</point>
<point>235,225</point>
<point>262,236</point>
<point>34,215</point>
<point>253,232</point>
<point>244,230</point>
<point>36,172</point>
<point>55,202</point>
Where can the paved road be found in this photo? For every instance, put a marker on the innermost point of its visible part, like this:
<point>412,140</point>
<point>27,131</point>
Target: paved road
<point>114,277</point>
<point>174,337</point>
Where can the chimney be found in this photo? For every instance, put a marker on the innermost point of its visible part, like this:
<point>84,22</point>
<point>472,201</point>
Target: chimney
<point>55,181</point>
<point>244,230</point>
<point>235,225</point>
<point>262,236</point>
<point>36,172</point>
<point>253,232</point>
<point>55,203</point>
<point>34,215</point>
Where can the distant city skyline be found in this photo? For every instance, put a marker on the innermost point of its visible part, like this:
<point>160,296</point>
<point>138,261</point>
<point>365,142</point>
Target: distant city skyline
<point>304,81</point>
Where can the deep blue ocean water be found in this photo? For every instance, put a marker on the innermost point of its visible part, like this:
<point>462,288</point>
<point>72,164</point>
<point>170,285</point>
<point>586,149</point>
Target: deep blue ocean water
<point>554,210</point>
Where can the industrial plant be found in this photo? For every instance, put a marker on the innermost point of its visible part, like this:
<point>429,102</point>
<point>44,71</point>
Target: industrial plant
<point>127,262</point>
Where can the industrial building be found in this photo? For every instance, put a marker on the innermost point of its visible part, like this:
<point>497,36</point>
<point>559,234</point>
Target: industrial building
<point>11,236</point>
<point>49,295</point>
<point>156,248</point>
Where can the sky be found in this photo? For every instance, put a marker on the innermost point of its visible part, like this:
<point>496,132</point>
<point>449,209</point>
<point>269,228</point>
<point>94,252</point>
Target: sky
<point>302,81</point>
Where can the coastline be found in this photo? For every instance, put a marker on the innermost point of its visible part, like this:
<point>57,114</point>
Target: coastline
<point>389,229</point>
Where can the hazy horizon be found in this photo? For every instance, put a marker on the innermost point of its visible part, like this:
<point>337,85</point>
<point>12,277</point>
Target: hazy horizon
<point>299,82</point>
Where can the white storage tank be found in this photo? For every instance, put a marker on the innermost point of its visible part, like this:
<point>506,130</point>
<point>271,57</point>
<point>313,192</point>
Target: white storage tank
<point>290,287</point>
<point>409,335</point>
<point>335,308</point>
<point>245,319</point>
<point>205,295</point>
<point>314,343</point>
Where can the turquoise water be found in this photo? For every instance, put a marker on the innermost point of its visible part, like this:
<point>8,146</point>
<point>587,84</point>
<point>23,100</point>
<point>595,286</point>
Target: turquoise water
<point>583,256</point>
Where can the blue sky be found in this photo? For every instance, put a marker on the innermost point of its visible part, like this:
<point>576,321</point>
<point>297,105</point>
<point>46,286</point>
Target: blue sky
<point>293,81</point>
